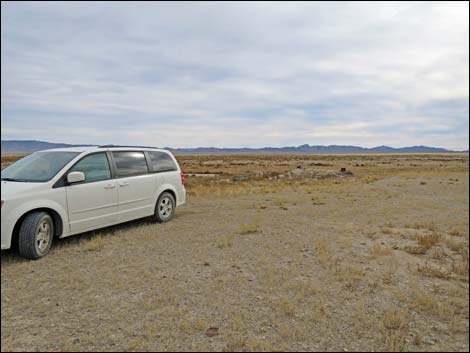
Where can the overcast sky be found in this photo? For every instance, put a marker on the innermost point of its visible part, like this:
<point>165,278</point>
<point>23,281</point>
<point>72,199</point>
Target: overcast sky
<point>236,74</point>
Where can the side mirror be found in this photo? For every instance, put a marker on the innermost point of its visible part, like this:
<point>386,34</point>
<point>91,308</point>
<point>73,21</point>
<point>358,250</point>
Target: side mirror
<point>75,177</point>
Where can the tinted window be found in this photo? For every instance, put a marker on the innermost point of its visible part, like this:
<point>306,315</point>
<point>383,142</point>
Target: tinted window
<point>161,162</point>
<point>37,167</point>
<point>95,167</point>
<point>130,163</point>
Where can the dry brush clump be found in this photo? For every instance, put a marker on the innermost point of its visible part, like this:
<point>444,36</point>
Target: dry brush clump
<point>461,266</point>
<point>425,225</point>
<point>457,233</point>
<point>351,276</point>
<point>387,230</point>
<point>287,305</point>
<point>94,244</point>
<point>425,242</point>
<point>378,250</point>
<point>225,241</point>
<point>455,244</point>
<point>249,228</point>
<point>394,329</point>
<point>323,251</point>
<point>430,303</point>
<point>391,267</point>
<point>433,271</point>
<point>428,240</point>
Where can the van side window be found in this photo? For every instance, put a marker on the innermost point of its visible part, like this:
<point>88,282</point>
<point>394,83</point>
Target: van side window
<point>95,167</point>
<point>130,164</point>
<point>161,162</point>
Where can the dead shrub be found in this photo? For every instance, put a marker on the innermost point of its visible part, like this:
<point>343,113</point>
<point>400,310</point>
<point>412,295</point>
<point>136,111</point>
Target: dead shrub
<point>248,228</point>
<point>428,270</point>
<point>428,240</point>
<point>394,329</point>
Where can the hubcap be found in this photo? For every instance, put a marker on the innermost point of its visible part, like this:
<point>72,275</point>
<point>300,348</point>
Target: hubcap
<point>43,235</point>
<point>165,207</point>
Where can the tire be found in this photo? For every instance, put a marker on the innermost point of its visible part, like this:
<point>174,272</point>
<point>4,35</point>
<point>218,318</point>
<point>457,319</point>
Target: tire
<point>35,235</point>
<point>165,208</point>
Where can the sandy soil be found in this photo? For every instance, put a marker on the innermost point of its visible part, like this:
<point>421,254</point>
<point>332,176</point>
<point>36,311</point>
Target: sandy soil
<point>373,261</point>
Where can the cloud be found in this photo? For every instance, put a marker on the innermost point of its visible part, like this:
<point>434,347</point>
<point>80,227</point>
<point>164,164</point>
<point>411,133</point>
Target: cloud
<point>236,74</point>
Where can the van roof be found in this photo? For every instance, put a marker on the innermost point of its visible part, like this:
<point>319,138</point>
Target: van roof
<point>81,149</point>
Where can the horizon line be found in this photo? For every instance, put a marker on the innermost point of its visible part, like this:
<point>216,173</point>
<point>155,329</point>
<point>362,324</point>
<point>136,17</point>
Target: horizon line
<point>250,148</point>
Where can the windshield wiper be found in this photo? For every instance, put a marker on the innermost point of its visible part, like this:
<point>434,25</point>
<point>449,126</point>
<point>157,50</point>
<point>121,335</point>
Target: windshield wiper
<point>13,179</point>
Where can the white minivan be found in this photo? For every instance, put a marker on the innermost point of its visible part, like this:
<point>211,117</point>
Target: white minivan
<point>66,191</point>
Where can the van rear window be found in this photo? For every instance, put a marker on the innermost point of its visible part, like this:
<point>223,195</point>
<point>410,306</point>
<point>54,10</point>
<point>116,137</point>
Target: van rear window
<point>161,162</point>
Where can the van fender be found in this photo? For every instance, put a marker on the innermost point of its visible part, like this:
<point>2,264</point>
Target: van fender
<point>165,187</point>
<point>42,204</point>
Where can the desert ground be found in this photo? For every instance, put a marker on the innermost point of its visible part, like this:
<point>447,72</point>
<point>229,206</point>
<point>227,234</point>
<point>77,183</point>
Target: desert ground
<point>270,253</point>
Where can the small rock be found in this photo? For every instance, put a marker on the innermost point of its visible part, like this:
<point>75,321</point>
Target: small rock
<point>212,331</point>
<point>429,341</point>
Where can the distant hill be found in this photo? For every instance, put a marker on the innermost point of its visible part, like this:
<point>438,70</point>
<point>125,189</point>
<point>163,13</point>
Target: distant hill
<point>314,149</point>
<point>25,146</point>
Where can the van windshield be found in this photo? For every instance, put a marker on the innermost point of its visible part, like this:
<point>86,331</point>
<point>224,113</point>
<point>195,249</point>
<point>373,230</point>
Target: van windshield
<point>37,167</point>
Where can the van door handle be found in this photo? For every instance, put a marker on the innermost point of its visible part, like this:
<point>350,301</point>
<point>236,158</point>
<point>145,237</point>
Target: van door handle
<point>110,186</point>
<point>124,184</point>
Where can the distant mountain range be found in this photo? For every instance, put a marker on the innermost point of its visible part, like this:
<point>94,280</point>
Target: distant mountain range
<point>22,146</point>
<point>25,146</point>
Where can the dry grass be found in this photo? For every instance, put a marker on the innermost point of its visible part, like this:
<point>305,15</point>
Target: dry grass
<point>390,270</point>
<point>433,271</point>
<point>381,250</point>
<point>455,245</point>
<point>94,244</point>
<point>249,228</point>
<point>428,240</point>
<point>350,275</point>
<point>461,266</point>
<point>457,233</point>
<point>323,252</point>
<point>425,301</point>
<point>430,225</point>
<point>304,264</point>
<point>282,203</point>
<point>225,241</point>
<point>415,250</point>
<point>395,328</point>
<point>287,306</point>
<point>387,230</point>
<point>425,243</point>
<point>395,319</point>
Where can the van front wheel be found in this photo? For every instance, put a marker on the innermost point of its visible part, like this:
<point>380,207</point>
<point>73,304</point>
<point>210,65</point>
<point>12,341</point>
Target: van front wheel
<point>165,209</point>
<point>35,235</point>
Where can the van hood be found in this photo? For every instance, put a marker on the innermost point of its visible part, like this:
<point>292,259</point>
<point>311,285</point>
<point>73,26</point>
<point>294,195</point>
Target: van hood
<point>12,189</point>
